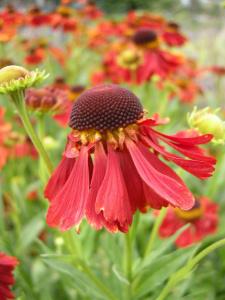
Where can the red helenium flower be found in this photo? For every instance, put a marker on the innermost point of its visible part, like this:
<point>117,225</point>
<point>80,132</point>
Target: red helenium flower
<point>7,266</point>
<point>172,35</point>
<point>203,220</point>
<point>155,61</point>
<point>107,171</point>
<point>5,130</point>
<point>147,57</point>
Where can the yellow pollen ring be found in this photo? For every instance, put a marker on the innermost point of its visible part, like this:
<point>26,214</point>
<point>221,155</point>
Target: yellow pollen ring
<point>152,45</point>
<point>114,137</point>
<point>189,215</point>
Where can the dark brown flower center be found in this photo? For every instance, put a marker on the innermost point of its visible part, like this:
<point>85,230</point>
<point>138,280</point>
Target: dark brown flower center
<point>105,107</point>
<point>144,36</point>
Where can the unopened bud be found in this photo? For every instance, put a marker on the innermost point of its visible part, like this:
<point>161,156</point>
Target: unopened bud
<point>16,78</point>
<point>12,73</point>
<point>46,100</point>
<point>207,121</point>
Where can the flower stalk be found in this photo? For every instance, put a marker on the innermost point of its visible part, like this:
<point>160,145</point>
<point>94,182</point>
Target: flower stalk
<point>154,231</point>
<point>128,264</point>
<point>18,99</point>
<point>184,272</point>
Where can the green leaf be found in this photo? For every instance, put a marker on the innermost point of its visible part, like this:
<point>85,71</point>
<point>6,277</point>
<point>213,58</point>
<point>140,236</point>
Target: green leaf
<point>158,271</point>
<point>78,279</point>
<point>31,231</point>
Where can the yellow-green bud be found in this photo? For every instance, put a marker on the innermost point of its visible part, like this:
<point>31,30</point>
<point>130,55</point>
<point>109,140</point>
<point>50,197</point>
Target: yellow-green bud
<point>207,121</point>
<point>12,73</point>
<point>16,78</point>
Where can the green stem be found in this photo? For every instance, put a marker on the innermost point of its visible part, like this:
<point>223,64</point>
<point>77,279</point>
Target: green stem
<point>128,263</point>
<point>73,247</point>
<point>20,105</point>
<point>41,134</point>
<point>154,231</point>
<point>183,272</point>
<point>206,252</point>
<point>97,282</point>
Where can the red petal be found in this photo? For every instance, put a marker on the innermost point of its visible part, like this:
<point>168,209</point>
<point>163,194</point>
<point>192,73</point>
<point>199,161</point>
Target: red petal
<point>113,197</point>
<point>133,182</point>
<point>202,139</point>
<point>171,223</point>
<point>152,198</point>
<point>100,161</point>
<point>200,168</point>
<point>59,177</point>
<point>186,238</point>
<point>159,177</point>
<point>67,208</point>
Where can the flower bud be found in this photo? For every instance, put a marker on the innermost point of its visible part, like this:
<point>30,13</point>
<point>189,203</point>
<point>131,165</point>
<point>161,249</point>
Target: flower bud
<point>46,100</point>
<point>12,73</point>
<point>16,78</point>
<point>207,121</point>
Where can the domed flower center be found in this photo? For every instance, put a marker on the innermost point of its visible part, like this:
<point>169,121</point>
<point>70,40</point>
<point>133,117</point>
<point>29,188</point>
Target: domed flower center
<point>190,215</point>
<point>145,37</point>
<point>105,107</point>
<point>46,99</point>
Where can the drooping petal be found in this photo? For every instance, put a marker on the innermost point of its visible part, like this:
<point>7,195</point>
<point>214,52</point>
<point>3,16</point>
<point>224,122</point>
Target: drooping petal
<point>133,182</point>
<point>112,198</point>
<point>197,140</point>
<point>201,167</point>
<point>153,199</point>
<point>100,160</point>
<point>59,177</point>
<point>67,207</point>
<point>159,177</point>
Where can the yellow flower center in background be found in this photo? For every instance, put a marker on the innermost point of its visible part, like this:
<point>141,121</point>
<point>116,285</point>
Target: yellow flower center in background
<point>129,59</point>
<point>190,215</point>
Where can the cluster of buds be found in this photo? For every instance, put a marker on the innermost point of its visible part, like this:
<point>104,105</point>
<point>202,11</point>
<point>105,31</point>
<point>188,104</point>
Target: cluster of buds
<point>47,99</point>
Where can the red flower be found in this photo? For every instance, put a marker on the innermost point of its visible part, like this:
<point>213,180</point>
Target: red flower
<point>172,35</point>
<point>35,56</point>
<point>64,18</point>
<point>158,62</point>
<point>7,266</point>
<point>218,70</point>
<point>23,149</point>
<point>5,130</point>
<point>145,59</point>
<point>11,17</point>
<point>36,17</point>
<point>98,77</point>
<point>187,90</point>
<point>203,220</point>
<point>146,20</point>
<point>92,12</point>
<point>107,155</point>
